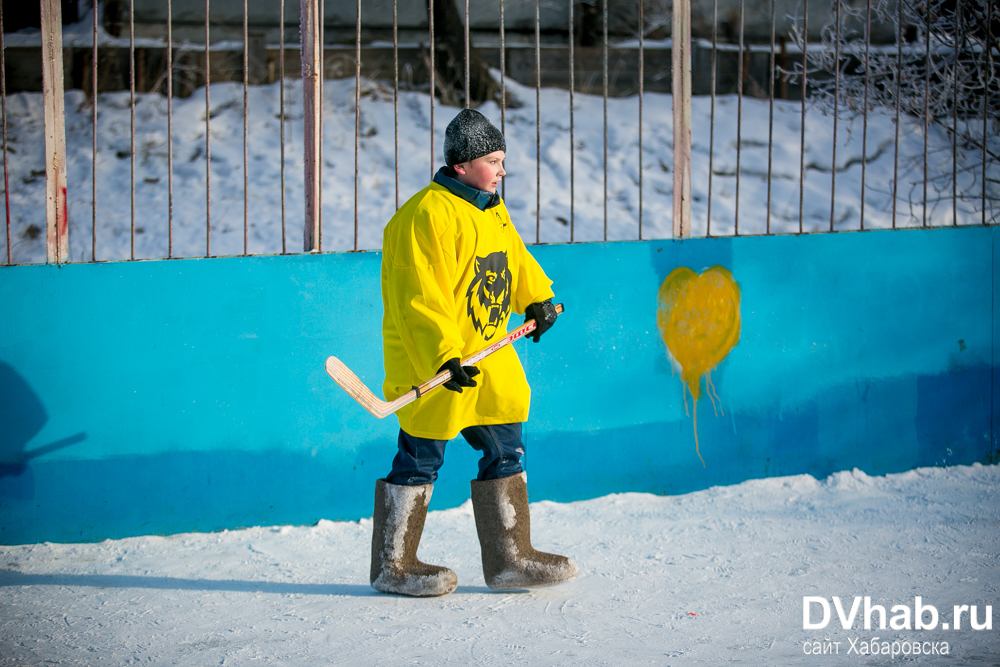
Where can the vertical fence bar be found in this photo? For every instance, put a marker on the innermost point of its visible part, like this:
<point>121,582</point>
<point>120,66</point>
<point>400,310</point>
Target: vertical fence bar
<point>959,39</point>
<point>281,120</point>
<point>538,129</point>
<point>430,26</point>
<point>987,77</point>
<point>641,82</point>
<point>604,5</point>
<point>739,118</point>
<point>770,125</point>
<point>802,124</point>
<point>131,112</point>
<point>312,67</point>
<point>864,109</point>
<point>681,64</point>
<point>572,128</point>
<point>899,72</point>
<point>321,75</point>
<point>208,137</point>
<point>3,119</point>
<point>357,115</point>
<point>93,133</point>
<point>170,126</point>
<point>395,93</point>
<point>56,222</point>
<point>503,89</point>
<point>466,54</point>
<point>246,119</point>
<point>711,115</point>
<point>503,78</point>
<point>836,101</point>
<point>927,103</point>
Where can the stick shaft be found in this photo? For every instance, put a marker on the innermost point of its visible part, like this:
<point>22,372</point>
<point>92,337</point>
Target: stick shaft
<point>476,357</point>
<point>353,385</point>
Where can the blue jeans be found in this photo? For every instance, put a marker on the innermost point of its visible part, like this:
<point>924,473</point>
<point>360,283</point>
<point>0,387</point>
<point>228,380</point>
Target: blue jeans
<point>419,459</point>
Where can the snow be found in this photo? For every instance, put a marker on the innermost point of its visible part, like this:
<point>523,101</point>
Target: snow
<point>746,124</point>
<point>712,577</point>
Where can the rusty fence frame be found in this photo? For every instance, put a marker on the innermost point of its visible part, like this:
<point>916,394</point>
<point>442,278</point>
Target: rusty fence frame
<point>312,50</point>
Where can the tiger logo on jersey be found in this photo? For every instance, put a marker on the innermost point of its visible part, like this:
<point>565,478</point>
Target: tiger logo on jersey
<point>488,297</point>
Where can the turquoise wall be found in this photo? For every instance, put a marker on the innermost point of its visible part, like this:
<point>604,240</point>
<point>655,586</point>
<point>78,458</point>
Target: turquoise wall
<point>168,396</point>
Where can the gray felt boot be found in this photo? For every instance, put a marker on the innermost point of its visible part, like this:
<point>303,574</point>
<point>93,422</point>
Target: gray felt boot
<point>398,522</point>
<point>504,527</point>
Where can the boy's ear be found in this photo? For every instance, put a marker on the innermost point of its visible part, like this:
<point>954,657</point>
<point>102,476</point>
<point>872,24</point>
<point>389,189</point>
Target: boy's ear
<point>460,168</point>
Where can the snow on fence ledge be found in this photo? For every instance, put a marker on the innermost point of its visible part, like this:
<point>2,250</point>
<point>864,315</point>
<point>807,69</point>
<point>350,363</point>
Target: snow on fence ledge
<point>192,141</point>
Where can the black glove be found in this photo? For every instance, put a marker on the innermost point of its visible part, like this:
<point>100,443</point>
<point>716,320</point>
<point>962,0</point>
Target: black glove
<point>544,314</point>
<point>461,376</point>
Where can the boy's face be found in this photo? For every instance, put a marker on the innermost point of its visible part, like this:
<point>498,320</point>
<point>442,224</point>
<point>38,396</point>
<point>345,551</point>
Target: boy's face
<point>483,173</point>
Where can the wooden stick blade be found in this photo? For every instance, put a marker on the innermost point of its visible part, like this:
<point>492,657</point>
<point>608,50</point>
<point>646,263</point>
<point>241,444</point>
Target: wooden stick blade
<point>353,385</point>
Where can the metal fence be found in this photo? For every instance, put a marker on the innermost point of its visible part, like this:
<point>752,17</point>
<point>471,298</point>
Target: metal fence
<point>885,116</point>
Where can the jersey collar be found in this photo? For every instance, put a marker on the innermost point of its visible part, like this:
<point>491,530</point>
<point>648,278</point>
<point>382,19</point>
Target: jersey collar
<point>481,199</point>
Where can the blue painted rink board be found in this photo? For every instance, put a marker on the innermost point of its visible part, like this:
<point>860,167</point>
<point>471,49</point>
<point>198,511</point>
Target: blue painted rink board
<point>169,396</point>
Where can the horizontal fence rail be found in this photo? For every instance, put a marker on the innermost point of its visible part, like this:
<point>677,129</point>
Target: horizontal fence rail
<point>302,128</point>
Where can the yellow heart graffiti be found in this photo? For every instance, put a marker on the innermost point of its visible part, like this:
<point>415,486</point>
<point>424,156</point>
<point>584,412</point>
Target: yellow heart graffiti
<point>699,319</point>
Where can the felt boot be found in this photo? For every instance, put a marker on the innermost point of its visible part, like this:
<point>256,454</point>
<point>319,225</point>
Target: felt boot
<point>398,522</point>
<point>504,527</point>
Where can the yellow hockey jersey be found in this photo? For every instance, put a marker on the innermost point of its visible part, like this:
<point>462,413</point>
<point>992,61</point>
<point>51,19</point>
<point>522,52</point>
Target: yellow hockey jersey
<point>451,276</point>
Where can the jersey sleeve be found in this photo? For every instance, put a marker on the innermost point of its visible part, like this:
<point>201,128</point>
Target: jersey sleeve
<point>532,285</point>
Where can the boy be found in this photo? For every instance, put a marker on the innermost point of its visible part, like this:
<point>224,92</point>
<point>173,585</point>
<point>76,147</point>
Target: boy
<point>453,268</point>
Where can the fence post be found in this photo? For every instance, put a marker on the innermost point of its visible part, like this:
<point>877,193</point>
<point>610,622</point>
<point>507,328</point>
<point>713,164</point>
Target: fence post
<point>681,81</point>
<point>312,71</point>
<point>56,215</point>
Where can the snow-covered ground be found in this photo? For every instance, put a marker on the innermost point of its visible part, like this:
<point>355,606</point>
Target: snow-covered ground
<point>713,577</point>
<point>377,169</point>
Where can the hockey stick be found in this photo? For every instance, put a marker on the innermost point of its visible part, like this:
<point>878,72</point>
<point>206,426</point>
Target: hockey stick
<point>353,385</point>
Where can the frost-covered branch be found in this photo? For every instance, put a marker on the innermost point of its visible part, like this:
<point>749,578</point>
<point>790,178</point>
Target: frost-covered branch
<point>943,70</point>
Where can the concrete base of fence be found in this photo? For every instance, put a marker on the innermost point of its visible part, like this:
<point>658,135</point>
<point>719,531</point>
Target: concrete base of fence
<point>190,395</point>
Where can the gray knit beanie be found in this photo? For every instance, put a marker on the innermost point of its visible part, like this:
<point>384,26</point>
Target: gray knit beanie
<point>471,135</point>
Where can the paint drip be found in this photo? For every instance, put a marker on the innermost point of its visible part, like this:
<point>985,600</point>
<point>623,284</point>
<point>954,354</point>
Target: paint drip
<point>699,319</point>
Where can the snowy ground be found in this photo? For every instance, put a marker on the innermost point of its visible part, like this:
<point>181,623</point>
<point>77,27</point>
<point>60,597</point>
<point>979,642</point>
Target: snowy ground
<point>377,160</point>
<point>712,577</point>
